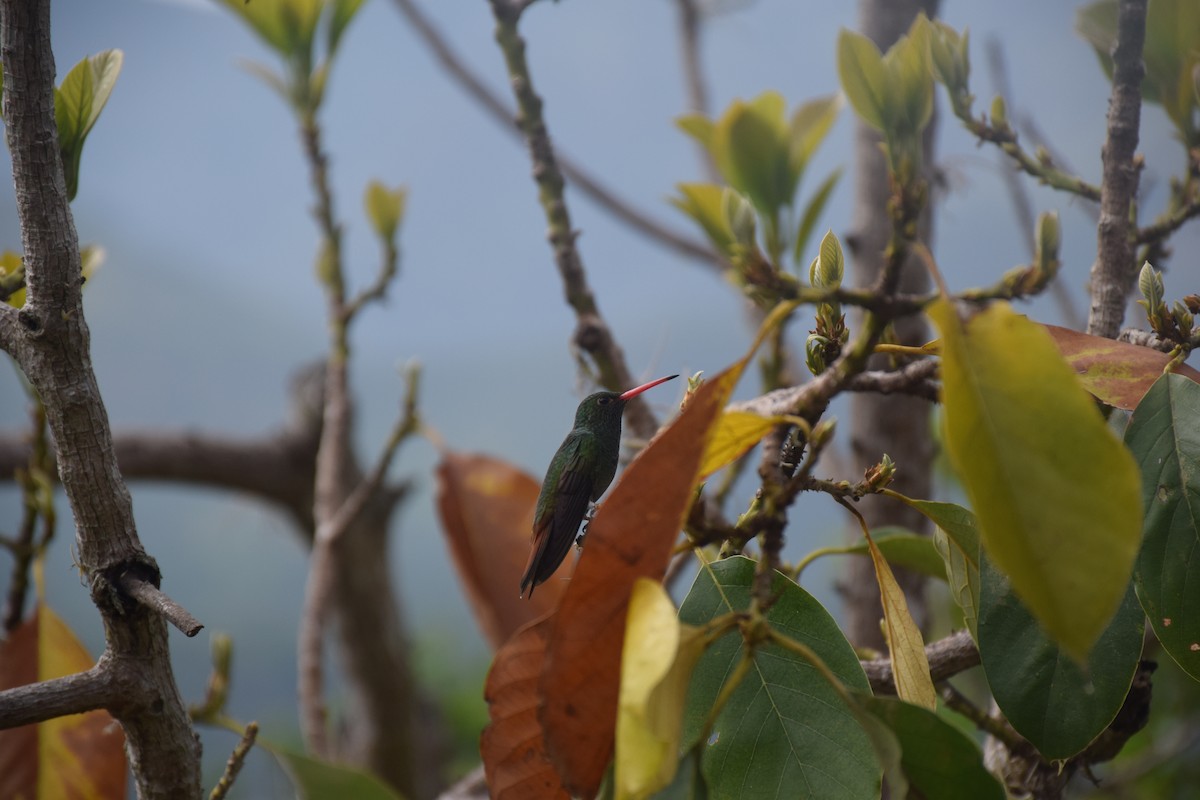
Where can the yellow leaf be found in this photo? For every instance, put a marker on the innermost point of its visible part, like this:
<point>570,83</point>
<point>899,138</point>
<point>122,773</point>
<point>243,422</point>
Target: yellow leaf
<point>910,667</point>
<point>656,670</point>
<point>1056,494</point>
<point>736,432</point>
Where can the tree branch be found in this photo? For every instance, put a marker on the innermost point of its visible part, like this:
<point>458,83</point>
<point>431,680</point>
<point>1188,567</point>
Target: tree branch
<point>58,697</point>
<point>592,334</point>
<point>947,657</point>
<point>52,349</point>
<point>1115,268</point>
<point>638,220</point>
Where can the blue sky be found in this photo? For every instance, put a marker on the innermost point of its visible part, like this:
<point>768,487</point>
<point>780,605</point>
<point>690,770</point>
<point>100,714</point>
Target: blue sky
<point>193,182</point>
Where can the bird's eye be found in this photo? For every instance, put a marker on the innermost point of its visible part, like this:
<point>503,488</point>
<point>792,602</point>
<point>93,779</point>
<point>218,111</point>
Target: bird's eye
<point>605,401</point>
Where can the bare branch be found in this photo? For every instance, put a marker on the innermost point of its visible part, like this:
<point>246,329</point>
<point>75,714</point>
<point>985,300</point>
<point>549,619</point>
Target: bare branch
<point>1146,339</point>
<point>947,657</point>
<point>916,379</point>
<point>59,697</point>
<point>1115,268</point>
<point>53,352</point>
<point>638,220</point>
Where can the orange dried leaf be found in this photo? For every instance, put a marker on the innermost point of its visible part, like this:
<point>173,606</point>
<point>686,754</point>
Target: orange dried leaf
<point>486,507</point>
<point>631,537</point>
<point>1117,373</point>
<point>77,756</point>
<point>512,746</point>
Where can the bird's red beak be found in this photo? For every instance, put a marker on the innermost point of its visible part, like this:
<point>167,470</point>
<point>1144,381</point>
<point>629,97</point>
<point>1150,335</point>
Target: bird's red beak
<point>634,392</point>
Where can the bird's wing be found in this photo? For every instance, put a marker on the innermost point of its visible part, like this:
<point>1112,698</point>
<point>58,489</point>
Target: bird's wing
<point>555,526</point>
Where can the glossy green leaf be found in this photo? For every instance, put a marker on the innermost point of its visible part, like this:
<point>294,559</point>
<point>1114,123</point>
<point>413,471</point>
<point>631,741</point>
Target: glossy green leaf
<point>1051,700</point>
<point>783,725</point>
<point>1057,496</point>
<point>1164,436</point>
<point>704,203</point>
<point>939,761</point>
<point>861,72</point>
<point>957,542</point>
<point>314,779</point>
<point>812,214</point>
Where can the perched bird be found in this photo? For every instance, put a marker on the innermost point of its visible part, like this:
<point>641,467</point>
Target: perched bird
<point>579,473</point>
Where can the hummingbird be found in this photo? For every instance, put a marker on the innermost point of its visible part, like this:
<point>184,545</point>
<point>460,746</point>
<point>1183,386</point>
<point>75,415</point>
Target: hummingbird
<point>580,471</point>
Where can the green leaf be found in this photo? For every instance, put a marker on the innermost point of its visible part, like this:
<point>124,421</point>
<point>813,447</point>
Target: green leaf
<point>750,147</point>
<point>77,105</point>
<point>783,725</point>
<point>314,779</point>
<point>901,548</point>
<point>343,12</point>
<point>910,79</point>
<point>860,69</point>
<point>957,541</point>
<point>385,208</point>
<point>810,124</point>
<point>704,203</point>
<point>699,127</point>
<point>1056,495</point>
<point>1055,703</point>
<point>812,214</point>
<point>1164,436</point>
<point>939,761</point>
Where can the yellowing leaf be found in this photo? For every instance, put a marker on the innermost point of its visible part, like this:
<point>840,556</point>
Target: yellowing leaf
<point>910,667</point>
<point>736,432</point>
<point>656,669</point>
<point>1056,495</point>
<point>82,755</point>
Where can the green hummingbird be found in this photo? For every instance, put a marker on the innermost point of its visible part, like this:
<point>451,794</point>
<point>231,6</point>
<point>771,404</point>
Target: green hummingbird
<point>579,473</point>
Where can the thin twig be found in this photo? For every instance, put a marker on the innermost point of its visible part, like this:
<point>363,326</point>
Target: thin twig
<point>152,598</point>
<point>690,20</point>
<point>236,760</point>
<point>1022,206</point>
<point>606,198</point>
<point>1115,268</point>
<point>916,379</point>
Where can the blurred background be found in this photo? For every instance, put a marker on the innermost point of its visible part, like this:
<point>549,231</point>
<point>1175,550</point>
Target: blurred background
<point>194,184</point>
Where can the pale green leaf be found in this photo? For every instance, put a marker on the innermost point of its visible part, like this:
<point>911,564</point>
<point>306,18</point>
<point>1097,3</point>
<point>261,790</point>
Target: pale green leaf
<point>861,71</point>
<point>812,213</point>
<point>704,203</point>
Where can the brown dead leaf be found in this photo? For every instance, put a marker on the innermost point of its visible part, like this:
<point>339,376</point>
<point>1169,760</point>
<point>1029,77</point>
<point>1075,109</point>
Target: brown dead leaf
<point>77,756</point>
<point>486,507</point>
<point>512,745</point>
<point>631,537</point>
<point>1117,373</point>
